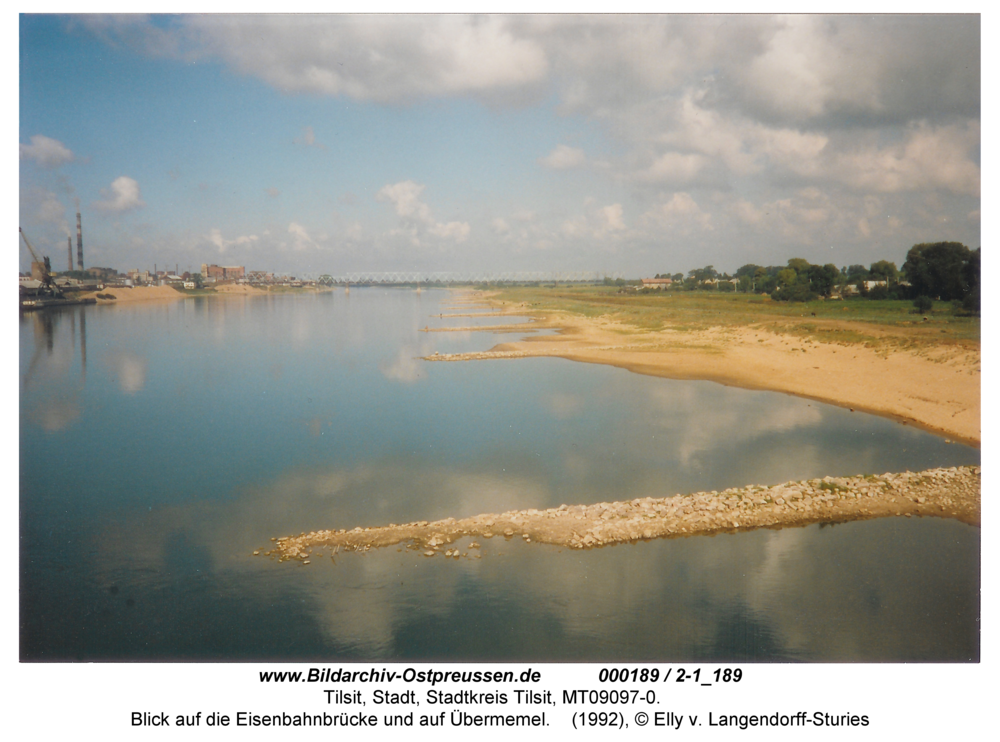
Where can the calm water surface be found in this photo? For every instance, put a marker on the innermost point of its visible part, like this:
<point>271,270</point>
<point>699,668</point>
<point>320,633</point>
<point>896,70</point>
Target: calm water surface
<point>162,443</point>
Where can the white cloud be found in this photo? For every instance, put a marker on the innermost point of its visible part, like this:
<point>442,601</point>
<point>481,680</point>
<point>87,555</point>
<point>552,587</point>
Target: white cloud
<point>793,74</point>
<point>747,212</point>
<point>612,216</point>
<point>301,240</point>
<point>382,58</point>
<point>719,136</point>
<point>929,158</point>
<point>808,216</point>
<point>790,149</point>
<point>744,147</point>
<point>721,123</point>
<point>46,152</point>
<point>564,158</point>
<point>405,198</point>
<point>891,68</point>
<point>782,68</point>
<point>123,195</point>
<point>681,213</point>
<point>44,207</point>
<point>353,231</point>
<point>52,210</point>
<point>216,238</point>
<point>416,215</point>
<point>674,167</point>
<point>458,231</point>
<point>596,223</point>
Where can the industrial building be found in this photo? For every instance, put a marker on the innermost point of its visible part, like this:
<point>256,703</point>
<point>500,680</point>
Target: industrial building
<point>222,272</point>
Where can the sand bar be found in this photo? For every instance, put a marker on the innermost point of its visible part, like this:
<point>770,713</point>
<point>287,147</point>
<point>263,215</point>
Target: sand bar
<point>945,493</point>
<point>934,388</point>
<point>125,295</point>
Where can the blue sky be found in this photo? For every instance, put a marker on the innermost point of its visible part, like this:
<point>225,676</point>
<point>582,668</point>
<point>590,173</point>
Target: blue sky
<point>634,145</point>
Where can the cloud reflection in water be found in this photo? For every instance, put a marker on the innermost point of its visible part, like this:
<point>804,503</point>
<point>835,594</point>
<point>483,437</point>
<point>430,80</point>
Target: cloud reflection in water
<point>794,593</point>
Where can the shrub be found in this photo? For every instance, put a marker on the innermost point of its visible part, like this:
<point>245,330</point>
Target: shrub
<point>795,292</point>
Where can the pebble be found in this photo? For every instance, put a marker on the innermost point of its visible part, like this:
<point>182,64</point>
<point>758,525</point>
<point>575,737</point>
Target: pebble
<point>589,526</point>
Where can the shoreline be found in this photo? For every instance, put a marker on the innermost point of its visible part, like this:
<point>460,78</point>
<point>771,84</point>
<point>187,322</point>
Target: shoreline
<point>168,293</point>
<point>952,492</point>
<point>938,390</point>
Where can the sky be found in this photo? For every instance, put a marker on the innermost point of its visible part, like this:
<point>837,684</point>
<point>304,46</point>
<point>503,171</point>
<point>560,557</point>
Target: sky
<point>618,144</point>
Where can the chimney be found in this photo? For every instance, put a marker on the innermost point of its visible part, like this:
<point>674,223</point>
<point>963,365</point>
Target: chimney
<point>69,251</point>
<point>79,243</point>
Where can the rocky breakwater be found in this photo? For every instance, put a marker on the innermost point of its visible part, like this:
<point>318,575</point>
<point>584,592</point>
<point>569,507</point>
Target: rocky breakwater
<point>948,493</point>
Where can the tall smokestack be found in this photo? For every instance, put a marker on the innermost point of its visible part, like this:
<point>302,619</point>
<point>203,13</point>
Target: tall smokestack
<point>69,251</point>
<point>79,243</point>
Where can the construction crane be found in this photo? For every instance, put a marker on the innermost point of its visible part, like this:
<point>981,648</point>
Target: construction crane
<point>48,283</point>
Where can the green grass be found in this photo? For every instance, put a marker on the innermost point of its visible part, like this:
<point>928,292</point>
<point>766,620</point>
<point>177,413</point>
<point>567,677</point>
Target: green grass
<point>876,323</point>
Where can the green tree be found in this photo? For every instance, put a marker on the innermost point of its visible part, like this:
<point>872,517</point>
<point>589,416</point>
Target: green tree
<point>799,265</point>
<point>703,274</point>
<point>971,302</point>
<point>787,277</point>
<point>798,291</point>
<point>822,278</point>
<point>883,270</point>
<point>857,274</point>
<point>878,292</point>
<point>940,269</point>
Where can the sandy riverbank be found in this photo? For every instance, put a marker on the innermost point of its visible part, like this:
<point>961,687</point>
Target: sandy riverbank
<point>239,289</point>
<point>937,389</point>
<point>168,293</point>
<point>137,293</point>
<point>947,493</point>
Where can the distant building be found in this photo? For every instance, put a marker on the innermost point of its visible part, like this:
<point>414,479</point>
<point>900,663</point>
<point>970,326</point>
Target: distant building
<point>223,272</point>
<point>102,273</point>
<point>656,283</point>
<point>853,289</point>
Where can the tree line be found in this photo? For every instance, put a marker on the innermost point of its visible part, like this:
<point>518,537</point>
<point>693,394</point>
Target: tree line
<point>939,271</point>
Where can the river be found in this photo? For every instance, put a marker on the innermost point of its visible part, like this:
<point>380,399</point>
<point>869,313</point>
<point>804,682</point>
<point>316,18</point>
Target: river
<point>162,443</point>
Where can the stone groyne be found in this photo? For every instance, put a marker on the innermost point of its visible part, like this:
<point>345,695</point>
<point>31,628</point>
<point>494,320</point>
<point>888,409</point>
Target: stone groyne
<point>946,493</point>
